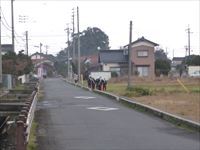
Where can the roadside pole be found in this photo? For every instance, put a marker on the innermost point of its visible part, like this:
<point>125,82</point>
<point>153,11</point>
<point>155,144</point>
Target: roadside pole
<point>129,55</point>
<point>68,57</point>
<point>26,42</point>
<point>12,23</point>
<point>0,51</point>
<point>73,38</point>
<point>79,67</point>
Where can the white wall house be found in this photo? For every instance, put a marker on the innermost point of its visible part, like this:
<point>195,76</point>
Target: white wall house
<point>194,71</point>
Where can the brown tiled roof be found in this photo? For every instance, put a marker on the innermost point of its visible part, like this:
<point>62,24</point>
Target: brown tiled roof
<point>142,39</point>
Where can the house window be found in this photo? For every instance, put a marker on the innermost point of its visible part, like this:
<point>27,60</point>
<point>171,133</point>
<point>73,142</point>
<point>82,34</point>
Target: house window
<point>142,53</point>
<point>143,71</point>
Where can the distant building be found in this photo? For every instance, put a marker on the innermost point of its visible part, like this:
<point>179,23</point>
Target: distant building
<point>89,64</point>
<point>176,61</point>
<point>43,64</point>
<point>194,71</point>
<point>142,59</point>
<point>6,48</point>
<point>114,61</point>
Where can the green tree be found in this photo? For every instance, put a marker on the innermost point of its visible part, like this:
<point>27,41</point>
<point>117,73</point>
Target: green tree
<point>160,54</point>
<point>192,60</point>
<point>162,63</point>
<point>162,67</point>
<point>61,68</point>
<point>91,40</point>
<point>16,64</point>
<point>60,65</point>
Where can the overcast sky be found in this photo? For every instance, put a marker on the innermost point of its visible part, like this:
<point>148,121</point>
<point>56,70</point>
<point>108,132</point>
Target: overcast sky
<point>163,22</point>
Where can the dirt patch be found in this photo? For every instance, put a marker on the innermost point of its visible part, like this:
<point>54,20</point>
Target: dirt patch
<point>181,104</point>
<point>168,95</point>
<point>155,81</point>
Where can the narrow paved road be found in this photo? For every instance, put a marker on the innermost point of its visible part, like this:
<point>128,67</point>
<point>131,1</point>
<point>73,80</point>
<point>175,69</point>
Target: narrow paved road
<point>70,118</point>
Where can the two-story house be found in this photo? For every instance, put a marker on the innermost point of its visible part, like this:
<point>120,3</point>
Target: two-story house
<point>142,58</point>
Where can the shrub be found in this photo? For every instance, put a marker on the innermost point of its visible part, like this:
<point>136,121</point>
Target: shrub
<point>137,91</point>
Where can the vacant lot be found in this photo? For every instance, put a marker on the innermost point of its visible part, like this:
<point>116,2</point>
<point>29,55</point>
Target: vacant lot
<point>163,93</point>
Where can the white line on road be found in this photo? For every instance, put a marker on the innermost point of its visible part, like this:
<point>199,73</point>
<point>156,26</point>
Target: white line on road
<point>84,97</point>
<point>103,108</point>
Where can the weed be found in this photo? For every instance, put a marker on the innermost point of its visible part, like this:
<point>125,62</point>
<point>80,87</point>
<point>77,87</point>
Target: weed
<point>32,145</point>
<point>137,91</point>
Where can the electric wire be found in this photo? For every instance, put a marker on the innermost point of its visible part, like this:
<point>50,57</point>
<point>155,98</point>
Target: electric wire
<point>5,26</point>
<point>5,19</point>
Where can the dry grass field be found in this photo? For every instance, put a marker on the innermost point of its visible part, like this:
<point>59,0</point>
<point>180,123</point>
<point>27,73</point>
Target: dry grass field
<point>164,93</point>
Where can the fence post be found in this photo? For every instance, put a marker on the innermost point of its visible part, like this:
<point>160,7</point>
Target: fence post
<point>20,138</point>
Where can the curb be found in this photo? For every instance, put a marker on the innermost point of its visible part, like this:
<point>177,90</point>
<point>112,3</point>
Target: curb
<point>179,121</point>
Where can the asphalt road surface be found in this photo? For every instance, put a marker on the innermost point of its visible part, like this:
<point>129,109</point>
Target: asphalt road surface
<point>70,118</point>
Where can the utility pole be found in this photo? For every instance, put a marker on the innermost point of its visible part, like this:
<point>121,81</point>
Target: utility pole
<point>129,55</point>
<point>68,62</point>
<point>188,32</point>
<point>0,51</point>
<point>73,38</point>
<point>46,46</point>
<point>79,68</point>
<point>166,51</point>
<point>27,43</point>
<point>40,48</point>
<point>12,20</point>
<point>186,49</point>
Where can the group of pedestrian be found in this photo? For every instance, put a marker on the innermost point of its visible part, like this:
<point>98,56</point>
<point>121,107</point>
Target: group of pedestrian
<point>100,83</point>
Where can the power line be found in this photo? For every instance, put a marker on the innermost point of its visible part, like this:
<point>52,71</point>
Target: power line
<point>19,36</point>
<point>5,20</point>
<point>5,26</point>
<point>17,40</point>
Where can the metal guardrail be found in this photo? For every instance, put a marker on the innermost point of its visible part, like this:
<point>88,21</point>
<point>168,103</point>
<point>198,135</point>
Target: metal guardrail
<point>162,114</point>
